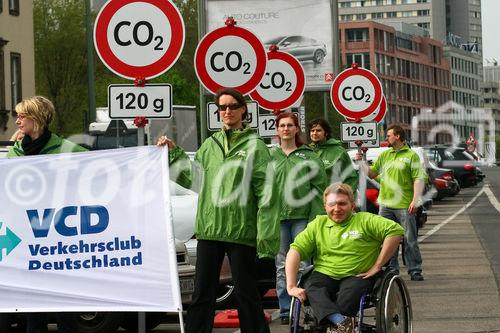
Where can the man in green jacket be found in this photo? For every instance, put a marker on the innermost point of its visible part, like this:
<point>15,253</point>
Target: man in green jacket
<point>237,214</point>
<point>348,250</point>
<point>337,163</point>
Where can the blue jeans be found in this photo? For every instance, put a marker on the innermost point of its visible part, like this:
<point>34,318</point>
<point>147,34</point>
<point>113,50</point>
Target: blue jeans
<point>411,250</point>
<point>288,230</point>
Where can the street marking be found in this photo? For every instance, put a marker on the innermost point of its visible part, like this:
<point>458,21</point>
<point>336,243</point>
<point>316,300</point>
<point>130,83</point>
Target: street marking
<point>491,197</point>
<point>445,222</point>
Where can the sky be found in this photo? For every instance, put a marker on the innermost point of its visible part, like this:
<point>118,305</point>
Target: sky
<point>491,29</point>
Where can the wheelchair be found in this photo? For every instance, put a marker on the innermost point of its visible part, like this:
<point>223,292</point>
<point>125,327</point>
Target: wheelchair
<point>386,309</point>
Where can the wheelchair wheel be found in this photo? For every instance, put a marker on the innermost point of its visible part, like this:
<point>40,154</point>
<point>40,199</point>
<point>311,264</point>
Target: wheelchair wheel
<point>302,318</point>
<point>393,311</point>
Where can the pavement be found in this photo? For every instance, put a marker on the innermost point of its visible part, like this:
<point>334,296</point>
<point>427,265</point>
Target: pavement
<point>459,293</point>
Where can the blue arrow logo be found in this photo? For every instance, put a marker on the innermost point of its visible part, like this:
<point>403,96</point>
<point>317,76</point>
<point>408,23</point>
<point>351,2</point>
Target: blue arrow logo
<point>8,241</point>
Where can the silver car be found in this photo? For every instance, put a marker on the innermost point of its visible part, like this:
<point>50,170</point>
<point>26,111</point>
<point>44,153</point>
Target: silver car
<point>302,48</point>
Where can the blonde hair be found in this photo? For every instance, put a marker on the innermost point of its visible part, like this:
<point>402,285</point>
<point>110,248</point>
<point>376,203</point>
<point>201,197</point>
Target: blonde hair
<point>339,188</point>
<point>39,109</point>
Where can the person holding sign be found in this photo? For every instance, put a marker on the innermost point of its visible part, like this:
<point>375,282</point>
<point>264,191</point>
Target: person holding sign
<point>236,216</point>
<point>337,163</point>
<point>301,179</point>
<point>402,181</point>
<point>34,116</point>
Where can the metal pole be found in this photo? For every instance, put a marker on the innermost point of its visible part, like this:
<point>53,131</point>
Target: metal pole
<point>335,37</point>
<point>141,322</point>
<point>325,105</point>
<point>201,33</point>
<point>90,63</point>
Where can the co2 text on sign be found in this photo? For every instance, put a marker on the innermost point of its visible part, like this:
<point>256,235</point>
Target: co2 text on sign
<point>133,45</point>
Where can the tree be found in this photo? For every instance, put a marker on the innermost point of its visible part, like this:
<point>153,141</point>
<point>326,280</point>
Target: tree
<point>60,60</point>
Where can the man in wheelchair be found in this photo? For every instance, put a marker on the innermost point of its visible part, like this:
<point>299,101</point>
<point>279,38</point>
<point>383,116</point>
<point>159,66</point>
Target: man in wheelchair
<point>348,251</point>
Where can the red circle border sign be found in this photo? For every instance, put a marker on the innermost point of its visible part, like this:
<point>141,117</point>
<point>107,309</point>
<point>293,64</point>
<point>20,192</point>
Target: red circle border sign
<point>299,89</point>
<point>149,71</point>
<point>382,109</point>
<point>210,38</point>
<point>377,99</point>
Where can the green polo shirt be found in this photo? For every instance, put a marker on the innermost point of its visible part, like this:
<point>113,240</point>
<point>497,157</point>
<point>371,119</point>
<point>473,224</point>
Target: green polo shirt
<point>397,170</point>
<point>346,249</point>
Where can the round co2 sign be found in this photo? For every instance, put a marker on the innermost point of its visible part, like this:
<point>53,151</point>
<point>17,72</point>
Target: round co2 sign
<point>230,57</point>
<point>376,116</point>
<point>283,83</point>
<point>356,93</point>
<point>139,38</point>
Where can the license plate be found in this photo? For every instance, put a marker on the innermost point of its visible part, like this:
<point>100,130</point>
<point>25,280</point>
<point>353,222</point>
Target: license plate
<point>187,286</point>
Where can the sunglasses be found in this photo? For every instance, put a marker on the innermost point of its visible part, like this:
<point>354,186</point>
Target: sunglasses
<point>231,107</point>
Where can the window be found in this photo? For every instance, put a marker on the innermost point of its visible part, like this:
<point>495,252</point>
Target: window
<point>392,14</point>
<point>1,6</point>
<point>14,7</point>
<point>377,15</point>
<point>362,59</point>
<point>15,79</point>
<point>357,35</point>
<point>346,17</point>
<point>360,17</point>
<point>425,12</point>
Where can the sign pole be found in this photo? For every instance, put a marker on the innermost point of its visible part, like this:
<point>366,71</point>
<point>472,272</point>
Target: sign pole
<point>201,33</point>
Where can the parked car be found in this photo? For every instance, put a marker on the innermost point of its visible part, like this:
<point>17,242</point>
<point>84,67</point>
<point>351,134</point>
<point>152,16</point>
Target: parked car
<point>302,48</point>
<point>457,159</point>
<point>445,182</point>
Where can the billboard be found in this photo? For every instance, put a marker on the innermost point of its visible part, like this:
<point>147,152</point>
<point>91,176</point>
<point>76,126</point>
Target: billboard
<point>302,28</point>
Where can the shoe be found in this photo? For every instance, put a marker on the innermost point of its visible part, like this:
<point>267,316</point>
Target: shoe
<point>285,321</point>
<point>417,277</point>
<point>347,326</point>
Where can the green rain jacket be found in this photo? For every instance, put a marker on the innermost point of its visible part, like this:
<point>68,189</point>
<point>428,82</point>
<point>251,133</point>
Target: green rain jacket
<point>237,201</point>
<point>301,194</point>
<point>337,162</point>
<point>55,145</point>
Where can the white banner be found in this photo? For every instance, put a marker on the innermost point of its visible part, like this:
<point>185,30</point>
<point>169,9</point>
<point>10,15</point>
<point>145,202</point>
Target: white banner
<point>87,232</point>
<point>302,28</point>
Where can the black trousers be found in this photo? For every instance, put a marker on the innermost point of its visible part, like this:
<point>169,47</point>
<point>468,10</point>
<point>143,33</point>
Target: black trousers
<point>242,258</point>
<point>328,296</point>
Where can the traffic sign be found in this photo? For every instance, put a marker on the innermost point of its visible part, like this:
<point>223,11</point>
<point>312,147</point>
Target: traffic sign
<point>230,57</point>
<point>215,123</point>
<point>133,45</point>
<point>356,93</point>
<point>130,101</point>
<point>376,116</point>
<point>366,131</point>
<point>283,83</point>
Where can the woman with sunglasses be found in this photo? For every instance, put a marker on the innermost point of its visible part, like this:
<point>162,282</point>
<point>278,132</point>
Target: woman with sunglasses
<point>236,215</point>
<point>301,179</point>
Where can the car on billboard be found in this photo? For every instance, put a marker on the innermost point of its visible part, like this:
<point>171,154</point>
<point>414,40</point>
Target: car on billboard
<point>302,48</point>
